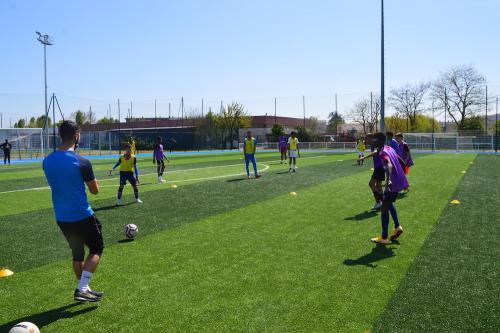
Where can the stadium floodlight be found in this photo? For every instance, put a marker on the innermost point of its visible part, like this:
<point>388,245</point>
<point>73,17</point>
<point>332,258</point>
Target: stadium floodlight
<point>382,70</point>
<point>45,40</point>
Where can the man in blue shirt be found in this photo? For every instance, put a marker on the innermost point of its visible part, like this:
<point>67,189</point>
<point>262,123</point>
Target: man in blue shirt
<point>67,174</point>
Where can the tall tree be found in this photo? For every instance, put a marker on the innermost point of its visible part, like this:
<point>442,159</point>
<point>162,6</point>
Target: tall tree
<point>361,113</point>
<point>334,120</point>
<point>21,123</point>
<point>277,130</point>
<point>232,118</point>
<point>32,123</point>
<point>79,117</point>
<point>40,122</point>
<point>460,92</point>
<point>406,100</point>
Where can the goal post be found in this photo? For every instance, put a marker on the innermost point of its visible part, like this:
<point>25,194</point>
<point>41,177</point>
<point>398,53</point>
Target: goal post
<point>27,143</point>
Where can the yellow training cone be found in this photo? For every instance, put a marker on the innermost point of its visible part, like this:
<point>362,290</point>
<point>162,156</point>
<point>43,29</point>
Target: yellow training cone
<point>372,169</point>
<point>4,272</point>
<point>341,160</point>
<point>464,171</point>
<point>293,193</point>
<point>173,186</point>
<point>455,202</point>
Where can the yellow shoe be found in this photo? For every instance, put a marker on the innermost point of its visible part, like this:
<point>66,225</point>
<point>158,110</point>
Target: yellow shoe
<point>380,240</point>
<point>397,232</point>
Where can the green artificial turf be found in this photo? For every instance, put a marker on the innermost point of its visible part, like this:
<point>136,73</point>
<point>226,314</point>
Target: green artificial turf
<point>454,283</point>
<point>226,254</point>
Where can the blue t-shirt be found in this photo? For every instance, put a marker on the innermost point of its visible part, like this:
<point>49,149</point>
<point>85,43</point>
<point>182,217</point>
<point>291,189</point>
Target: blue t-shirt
<point>66,173</point>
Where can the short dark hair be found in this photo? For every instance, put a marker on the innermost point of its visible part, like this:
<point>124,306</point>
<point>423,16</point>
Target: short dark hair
<point>399,135</point>
<point>158,138</point>
<point>68,130</point>
<point>127,146</point>
<point>379,137</point>
<point>293,132</point>
<point>389,133</point>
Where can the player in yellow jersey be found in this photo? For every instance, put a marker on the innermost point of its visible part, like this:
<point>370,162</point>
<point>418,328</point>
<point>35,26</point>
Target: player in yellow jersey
<point>361,147</point>
<point>131,142</point>
<point>128,172</point>
<point>249,148</point>
<point>293,151</point>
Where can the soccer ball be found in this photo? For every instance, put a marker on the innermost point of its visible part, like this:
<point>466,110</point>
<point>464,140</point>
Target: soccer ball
<point>25,327</point>
<point>131,231</point>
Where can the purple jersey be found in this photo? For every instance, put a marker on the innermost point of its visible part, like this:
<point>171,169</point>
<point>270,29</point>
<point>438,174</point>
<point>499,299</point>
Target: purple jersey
<point>405,153</point>
<point>398,177</point>
<point>283,142</point>
<point>158,152</point>
<point>395,145</point>
<point>377,160</point>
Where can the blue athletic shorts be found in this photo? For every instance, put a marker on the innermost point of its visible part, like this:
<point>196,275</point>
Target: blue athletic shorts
<point>127,176</point>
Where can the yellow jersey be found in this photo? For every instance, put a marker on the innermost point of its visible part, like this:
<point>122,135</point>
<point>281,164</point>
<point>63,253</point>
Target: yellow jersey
<point>361,145</point>
<point>127,164</point>
<point>132,145</point>
<point>293,143</point>
<point>249,145</point>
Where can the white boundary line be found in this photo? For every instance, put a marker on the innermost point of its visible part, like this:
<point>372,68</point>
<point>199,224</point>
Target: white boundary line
<point>266,167</point>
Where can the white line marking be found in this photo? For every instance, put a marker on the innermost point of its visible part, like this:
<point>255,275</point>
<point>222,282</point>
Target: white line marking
<point>167,172</point>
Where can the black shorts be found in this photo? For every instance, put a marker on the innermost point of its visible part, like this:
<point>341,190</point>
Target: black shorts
<point>379,174</point>
<point>390,197</point>
<point>85,232</point>
<point>160,162</point>
<point>127,176</point>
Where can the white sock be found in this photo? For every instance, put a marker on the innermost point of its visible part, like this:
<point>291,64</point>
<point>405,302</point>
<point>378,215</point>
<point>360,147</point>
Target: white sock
<point>83,284</point>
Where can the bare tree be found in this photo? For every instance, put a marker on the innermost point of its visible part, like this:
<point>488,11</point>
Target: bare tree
<point>460,92</point>
<point>407,99</point>
<point>361,113</point>
<point>366,112</point>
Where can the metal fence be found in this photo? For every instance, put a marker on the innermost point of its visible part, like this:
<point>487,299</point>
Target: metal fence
<point>34,144</point>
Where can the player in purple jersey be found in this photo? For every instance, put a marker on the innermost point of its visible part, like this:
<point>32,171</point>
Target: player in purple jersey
<point>396,181</point>
<point>378,175</point>
<point>158,157</point>
<point>393,143</point>
<point>405,152</point>
<point>283,147</point>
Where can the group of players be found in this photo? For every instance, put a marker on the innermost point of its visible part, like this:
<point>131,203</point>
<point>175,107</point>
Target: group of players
<point>68,174</point>
<point>285,145</point>
<point>391,163</point>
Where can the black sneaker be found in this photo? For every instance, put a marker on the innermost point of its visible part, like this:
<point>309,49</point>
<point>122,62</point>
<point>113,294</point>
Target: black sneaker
<point>85,296</point>
<point>97,294</point>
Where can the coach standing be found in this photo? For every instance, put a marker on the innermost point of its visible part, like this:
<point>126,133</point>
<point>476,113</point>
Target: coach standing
<point>67,173</point>
<point>6,147</point>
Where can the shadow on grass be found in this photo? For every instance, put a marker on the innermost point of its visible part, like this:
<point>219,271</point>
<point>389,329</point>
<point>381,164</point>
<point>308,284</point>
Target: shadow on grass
<point>48,317</point>
<point>235,180</point>
<point>379,252</point>
<point>283,172</point>
<point>113,206</point>
<point>126,240</point>
<point>368,214</point>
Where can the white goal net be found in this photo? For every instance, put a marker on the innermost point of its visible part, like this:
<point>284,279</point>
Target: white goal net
<point>27,143</point>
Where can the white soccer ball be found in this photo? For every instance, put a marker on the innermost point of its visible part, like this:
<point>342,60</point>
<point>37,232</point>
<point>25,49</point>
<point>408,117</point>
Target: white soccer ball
<point>131,231</point>
<point>25,327</point>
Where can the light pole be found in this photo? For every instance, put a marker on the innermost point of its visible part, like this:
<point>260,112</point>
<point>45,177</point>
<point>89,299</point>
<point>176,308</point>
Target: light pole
<point>382,79</point>
<point>45,40</point>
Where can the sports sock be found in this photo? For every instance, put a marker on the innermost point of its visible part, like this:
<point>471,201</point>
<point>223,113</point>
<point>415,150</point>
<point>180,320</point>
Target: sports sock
<point>385,224</point>
<point>376,195</point>
<point>158,168</point>
<point>120,192</point>
<point>394,215</point>
<point>136,193</point>
<point>84,281</point>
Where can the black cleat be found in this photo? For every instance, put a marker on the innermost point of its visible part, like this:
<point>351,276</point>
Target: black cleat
<point>85,296</point>
<point>97,294</point>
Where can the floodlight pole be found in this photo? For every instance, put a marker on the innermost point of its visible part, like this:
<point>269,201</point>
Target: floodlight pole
<point>44,39</point>
<point>382,79</point>
<point>54,119</point>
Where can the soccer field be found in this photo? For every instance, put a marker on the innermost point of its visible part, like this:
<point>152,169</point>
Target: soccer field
<point>223,253</point>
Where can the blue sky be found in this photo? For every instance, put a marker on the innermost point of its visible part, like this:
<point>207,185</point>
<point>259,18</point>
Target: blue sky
<point>247,51</point>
